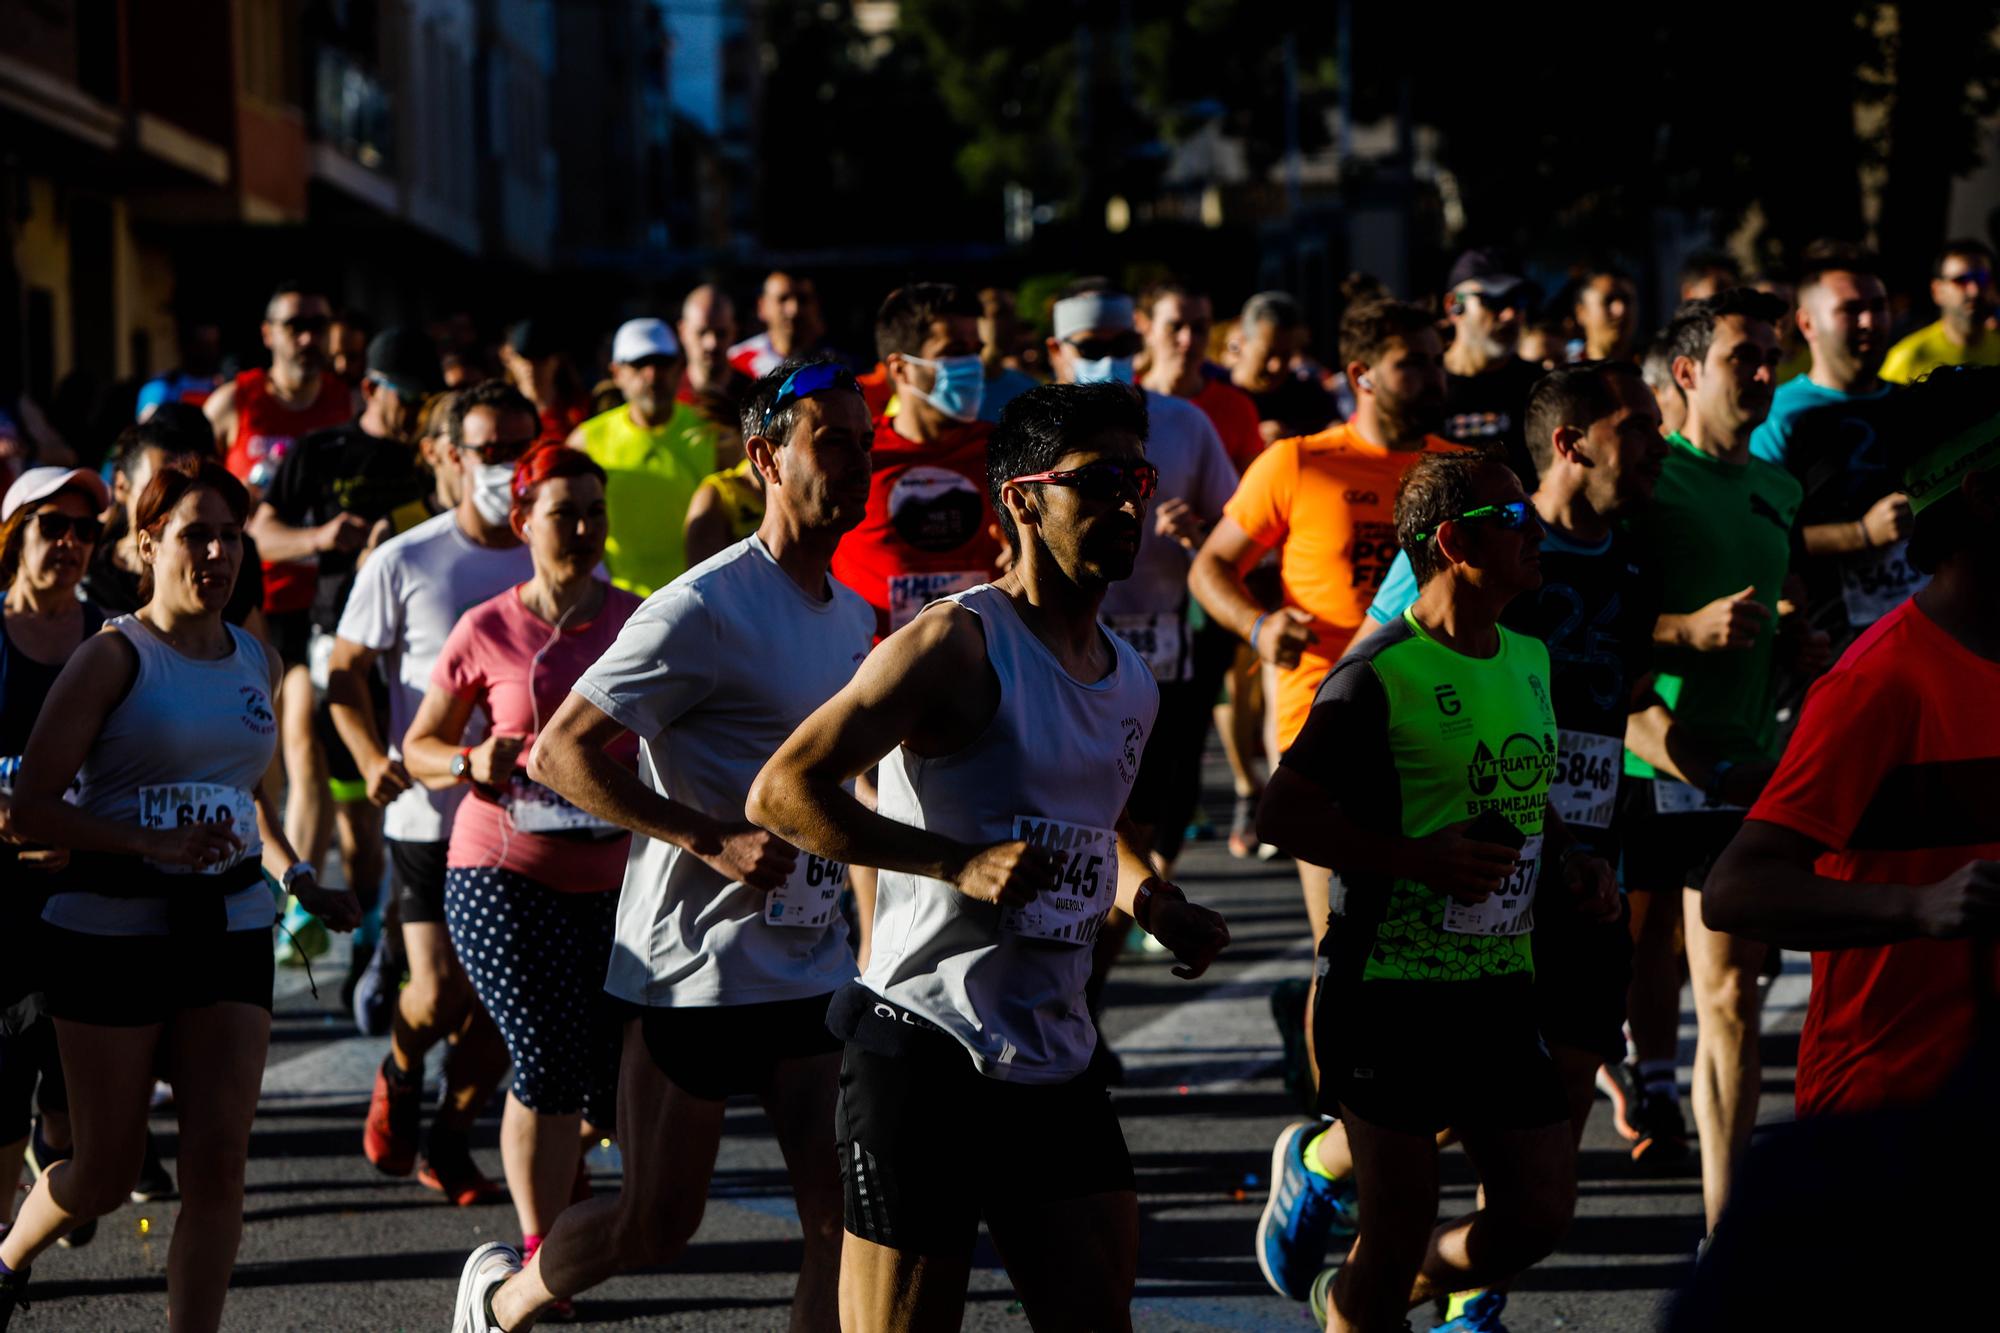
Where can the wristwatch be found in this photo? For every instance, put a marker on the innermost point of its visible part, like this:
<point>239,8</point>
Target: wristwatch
<point>461,766</point>
<point>297,871</point>
<point>1142,901</point>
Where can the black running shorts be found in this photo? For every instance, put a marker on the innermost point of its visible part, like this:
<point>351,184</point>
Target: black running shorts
<point>419,869</point>
<point>720,1051</point>
<point>1665,853</point>
<point>139,980</point>
<point>929,1145</point>
<point>1422,1056</point>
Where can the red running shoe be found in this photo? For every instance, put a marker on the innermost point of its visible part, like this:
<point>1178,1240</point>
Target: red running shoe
<point>449,1169</point>
<point>394,1112</point>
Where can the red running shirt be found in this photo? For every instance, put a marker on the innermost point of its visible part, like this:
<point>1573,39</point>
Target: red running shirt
<point>266,430</point>
<point>1895,768</point>
<point>926,533</point>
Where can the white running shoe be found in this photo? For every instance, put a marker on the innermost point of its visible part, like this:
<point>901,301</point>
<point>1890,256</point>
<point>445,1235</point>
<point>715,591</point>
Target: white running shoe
<point>489,1266</point>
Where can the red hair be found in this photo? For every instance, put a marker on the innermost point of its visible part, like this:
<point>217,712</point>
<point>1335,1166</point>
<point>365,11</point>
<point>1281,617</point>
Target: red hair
<point>545,462</point>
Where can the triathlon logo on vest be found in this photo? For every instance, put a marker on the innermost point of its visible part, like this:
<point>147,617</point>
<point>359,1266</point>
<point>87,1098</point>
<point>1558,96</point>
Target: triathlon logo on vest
<point>257,715</point>
<point>1520,764</point>
<point>934,508</point>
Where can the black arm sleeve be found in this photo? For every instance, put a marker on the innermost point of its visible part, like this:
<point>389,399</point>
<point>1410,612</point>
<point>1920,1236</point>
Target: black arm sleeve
<point>1344,745</point>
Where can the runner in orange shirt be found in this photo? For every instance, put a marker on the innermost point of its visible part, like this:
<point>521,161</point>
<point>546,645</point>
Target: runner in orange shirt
<point>1326,501</point>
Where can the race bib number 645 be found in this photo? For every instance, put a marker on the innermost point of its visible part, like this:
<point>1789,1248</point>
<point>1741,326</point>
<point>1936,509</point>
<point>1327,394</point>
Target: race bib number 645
<point>1082,886</point>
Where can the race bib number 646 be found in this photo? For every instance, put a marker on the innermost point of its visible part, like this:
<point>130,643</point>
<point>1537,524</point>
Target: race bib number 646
<point>1082,886</point>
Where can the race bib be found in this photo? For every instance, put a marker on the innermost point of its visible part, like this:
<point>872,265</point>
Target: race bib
<point>1511,911</point>
<point>1082,887</point>
<point>1674,797</point>
<point>1874,583</point>
<point>911,593</point>
<point>810,897</point>
<point>1584,787</point>
<point>535,809</point>
<point>1158,638</point>
<point>178,804</point>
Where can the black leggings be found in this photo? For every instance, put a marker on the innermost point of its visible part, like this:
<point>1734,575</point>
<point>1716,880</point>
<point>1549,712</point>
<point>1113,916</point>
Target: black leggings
<point>28,1057</point>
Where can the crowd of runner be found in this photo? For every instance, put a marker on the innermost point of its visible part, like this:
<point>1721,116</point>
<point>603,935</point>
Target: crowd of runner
<point>767,722</point>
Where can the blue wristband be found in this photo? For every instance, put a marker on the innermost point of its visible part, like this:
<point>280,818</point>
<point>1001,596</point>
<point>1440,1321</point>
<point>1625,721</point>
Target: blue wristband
<point>1254,627</point>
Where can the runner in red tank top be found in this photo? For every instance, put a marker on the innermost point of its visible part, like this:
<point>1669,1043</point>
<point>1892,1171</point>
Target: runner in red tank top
<point>928,530</point>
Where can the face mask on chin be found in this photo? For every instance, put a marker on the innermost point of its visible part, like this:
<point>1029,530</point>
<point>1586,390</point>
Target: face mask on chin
<point>493,491</point>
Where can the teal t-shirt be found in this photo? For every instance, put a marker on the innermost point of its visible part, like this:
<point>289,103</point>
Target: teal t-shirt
<point>1714,529</point>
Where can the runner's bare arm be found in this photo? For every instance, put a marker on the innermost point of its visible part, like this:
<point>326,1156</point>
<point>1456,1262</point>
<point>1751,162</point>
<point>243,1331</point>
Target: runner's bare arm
<point>1216,577</point>
<point>278,541</point>
<point>220,409</point>
<point>352,709</point>
<point>339,909</point>
<point>432,741</point>
<point>1652,734</point>
<point>911,690</point>
<point>1764,888</point>
<point>1194,934</point>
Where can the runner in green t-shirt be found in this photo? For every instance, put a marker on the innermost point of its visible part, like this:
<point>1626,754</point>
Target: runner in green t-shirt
<point>1722,533</point>
<point>1421,777</point>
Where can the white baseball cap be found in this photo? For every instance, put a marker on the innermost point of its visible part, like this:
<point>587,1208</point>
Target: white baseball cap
<point>638,339</point>
<point>39,483</point>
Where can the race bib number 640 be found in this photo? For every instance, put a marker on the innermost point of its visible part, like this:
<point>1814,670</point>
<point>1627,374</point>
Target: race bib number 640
<point>1082,886</point>
<point>178,804</point>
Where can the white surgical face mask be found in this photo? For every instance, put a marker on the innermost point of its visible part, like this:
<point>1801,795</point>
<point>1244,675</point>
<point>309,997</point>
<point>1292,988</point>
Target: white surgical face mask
<point>493,491</point>
<point>960,386</point>
<point>1104,370</point>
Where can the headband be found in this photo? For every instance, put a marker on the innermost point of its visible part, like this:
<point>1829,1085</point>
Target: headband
<point>1092,311</point>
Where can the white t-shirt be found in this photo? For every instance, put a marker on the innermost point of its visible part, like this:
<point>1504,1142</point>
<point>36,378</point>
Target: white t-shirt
<point>1149,609</point>
<point>713,673</point>
<point>406,599</point>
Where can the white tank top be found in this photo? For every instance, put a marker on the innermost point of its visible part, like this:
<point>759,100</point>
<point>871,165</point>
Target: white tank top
<point>1054,766</point>
<point>190,740</point>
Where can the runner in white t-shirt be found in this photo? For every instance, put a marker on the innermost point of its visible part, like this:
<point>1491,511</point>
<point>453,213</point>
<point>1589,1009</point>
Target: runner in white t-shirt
<point>406,598</point>
<point>1008,727</point>
<point>729,942</point>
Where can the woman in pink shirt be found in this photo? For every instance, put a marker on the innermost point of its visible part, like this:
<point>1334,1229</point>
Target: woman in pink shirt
<point>532,883</point>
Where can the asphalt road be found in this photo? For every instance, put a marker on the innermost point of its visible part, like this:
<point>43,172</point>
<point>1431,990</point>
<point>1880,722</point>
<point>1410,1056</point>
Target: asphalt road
<point>330,1245</point>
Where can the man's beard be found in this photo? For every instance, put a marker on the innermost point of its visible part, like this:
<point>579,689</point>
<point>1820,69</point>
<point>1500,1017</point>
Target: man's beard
<point>1403,420</point>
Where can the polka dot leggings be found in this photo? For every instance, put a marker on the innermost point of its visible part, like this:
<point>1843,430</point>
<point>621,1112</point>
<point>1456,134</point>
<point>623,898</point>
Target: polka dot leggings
<point>536,959</point>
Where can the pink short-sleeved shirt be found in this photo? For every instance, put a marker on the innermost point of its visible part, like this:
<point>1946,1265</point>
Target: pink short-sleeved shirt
<point>517,668</point>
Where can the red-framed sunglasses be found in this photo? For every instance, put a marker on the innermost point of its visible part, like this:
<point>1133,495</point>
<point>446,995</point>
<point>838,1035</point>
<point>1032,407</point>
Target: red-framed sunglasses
<point>1103,480</point>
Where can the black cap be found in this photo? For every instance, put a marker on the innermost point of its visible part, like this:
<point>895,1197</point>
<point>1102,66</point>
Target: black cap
<point>1494,270</point>
<point>534,339</point>
<point>408,360</point>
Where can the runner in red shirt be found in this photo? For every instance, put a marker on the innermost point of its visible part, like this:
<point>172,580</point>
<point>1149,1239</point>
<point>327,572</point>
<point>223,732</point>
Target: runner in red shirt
<point>928,533</point>
<point>1877,842</point>
<point>1175,320</point>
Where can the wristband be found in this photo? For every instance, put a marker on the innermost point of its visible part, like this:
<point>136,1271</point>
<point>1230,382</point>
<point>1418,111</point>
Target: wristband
<point>1254,627</point>
<point>298,870</point>
<point>1142,900</point>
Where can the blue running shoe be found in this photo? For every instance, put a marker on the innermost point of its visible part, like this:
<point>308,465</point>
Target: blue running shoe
<point>1474,1312</point>
<point>1305,1210</point>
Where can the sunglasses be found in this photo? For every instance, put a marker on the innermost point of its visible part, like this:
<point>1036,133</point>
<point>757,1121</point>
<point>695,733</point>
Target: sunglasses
<point>1096,349</point>
<point>305,324</point>
<point>1513,517</point>
<point>1103,480</point>
<point>1972,277</point>
<point>54,525</point>
<point>804,382</point>
<point>500,451</point>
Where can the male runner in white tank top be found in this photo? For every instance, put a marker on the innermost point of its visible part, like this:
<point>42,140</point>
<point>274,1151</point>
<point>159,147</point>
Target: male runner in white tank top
<point>1008,726</point>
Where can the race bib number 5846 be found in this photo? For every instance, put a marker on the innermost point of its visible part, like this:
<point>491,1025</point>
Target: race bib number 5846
<point>1082,885</point>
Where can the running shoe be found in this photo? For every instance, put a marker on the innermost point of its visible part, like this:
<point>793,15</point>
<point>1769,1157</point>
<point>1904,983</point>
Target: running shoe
<point>1620,1082</point>
<point>375,995</point>
<point>486,1270</point>
<point>155,1181</point>
<point>1304,1211</point>
<point>13,1295</point>
<point>1662,1144</point>
<point>448,1168</point>
<point>1474,1312</point>
<point>395,1111</point>
<point>1243,827</point>
<point>41,1157</point>
<point>1321,1298</point>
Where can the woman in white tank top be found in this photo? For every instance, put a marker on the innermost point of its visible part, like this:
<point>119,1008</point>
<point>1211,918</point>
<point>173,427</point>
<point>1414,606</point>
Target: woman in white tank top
<point>158,944</point>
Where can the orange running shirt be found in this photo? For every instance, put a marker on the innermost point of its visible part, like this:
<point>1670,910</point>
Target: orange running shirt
<point>1327,502</point>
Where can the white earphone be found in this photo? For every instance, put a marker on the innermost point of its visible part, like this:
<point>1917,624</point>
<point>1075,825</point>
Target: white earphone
<point>1366,383</point>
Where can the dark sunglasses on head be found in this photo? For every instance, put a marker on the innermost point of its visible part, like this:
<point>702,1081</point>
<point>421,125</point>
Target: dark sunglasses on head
<point>804,382</point>
<point>1102,480</point>
<point>53,524</point>
<point>306,324</point>
<point>1096,349</point>
<point>1512,517</point>
<point>500,451</point>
